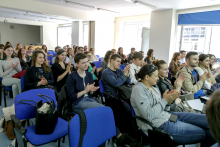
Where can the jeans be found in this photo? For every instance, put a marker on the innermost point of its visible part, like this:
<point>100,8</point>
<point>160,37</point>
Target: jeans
<point>87,103</point>
<point>190,128</point>
<point>15,83</point>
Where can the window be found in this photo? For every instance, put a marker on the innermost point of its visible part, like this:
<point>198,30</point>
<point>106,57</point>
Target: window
<point>85,34</point>
<point>64,36</point>
<point>131,35</point>
<point>202,39</point>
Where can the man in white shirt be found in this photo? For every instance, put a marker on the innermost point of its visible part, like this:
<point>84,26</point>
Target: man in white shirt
<point>182,56</point>
<point>135,66</point>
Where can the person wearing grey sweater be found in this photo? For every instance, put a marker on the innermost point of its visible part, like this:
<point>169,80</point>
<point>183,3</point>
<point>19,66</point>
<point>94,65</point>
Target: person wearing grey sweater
<point>146,100</point>
<point>9,66</point>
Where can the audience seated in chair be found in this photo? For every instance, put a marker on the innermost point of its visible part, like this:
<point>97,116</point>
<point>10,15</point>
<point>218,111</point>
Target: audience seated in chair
<point>85,48</point>
<point>80,88</point>
<point>9,66</point>
<point>124,59</point>
<point>44,47</point>
<point>106,61</point>
<point>30,52</point>
<point>92,69</point>
<point>56,50</point>
<point>203,67</point>
<point>193,82</point>
<point>182,57</point>
<point>24,59</point>
<point>93,57</point>
<point>187,128</point>
<point>175,66</point>
<point>70,55</point>
<point>212,62</point>
<point>130,55</point>
<point>213,116</point>
<point>18,46</point>
<point>60,69</point>
<point>113,76</point>
<point>150,56</point>
<point>39,75</point>
<point>135,66</point>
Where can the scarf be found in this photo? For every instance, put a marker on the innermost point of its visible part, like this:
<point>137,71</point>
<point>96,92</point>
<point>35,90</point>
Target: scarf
<point>136,68</point>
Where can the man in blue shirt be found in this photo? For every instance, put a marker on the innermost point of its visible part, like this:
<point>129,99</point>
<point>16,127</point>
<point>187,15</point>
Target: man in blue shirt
<point>193,82</point>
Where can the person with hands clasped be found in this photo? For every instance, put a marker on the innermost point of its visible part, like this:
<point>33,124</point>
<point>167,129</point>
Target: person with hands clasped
<point>9,66</point>
<point>60,69</point>
<point>80,86</point>
<point>203,67</point>
<point>39,75</point>
<point>185,128</point>
<point>92,69</point>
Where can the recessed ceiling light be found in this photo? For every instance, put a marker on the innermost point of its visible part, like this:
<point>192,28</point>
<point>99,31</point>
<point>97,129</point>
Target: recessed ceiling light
<point>144,4</point>
<point>107,10</point>
<point>81,5</point>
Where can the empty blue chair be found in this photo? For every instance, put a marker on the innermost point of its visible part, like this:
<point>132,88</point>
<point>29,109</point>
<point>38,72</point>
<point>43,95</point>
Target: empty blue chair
<point>97,64</point>
<point>22,83</point>
<point>24,111</point>
<point>122,67</point>
<point>100,59</point>
<point>97,56</point>
<point>50,59</point>
<point>100,127</point>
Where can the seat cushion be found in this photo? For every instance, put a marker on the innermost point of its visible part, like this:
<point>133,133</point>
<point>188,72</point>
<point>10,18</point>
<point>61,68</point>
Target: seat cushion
<point>60,131</point>
<point>8,88</point>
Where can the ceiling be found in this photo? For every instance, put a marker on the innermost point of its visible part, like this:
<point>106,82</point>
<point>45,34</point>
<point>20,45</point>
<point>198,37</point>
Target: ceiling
<point>127,7</point>
<point>32,16</point>
<point>122,7</point>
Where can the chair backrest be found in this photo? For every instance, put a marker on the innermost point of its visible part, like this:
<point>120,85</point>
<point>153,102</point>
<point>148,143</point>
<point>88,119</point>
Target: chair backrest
<point>50,59</point>
<point>22,83</point>
<point>101,58</point>
<point>97,56</point>
<point>97,64</point>
<point>132,111</point>
<point>100,127</point>
<point>101,86</point>
<point>24,111</point>
<point>122,67</point>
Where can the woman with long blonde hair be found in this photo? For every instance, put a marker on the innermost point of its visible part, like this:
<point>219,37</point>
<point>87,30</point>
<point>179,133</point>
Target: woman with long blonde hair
<point>39,75</point>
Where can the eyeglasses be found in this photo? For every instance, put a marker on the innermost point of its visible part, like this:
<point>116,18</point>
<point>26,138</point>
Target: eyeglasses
<point>151,69</point>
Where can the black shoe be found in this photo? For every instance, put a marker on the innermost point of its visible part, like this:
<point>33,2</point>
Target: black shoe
<point>127,141</point>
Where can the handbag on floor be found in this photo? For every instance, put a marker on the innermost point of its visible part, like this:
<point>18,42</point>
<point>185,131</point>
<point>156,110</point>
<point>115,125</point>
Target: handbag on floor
<point>46,115</point>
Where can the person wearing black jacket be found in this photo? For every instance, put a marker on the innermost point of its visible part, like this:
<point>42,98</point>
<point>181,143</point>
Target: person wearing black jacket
<point>24,60</point>
<point>163,83</point>
<point>60,69</point>
<point>39,75</point>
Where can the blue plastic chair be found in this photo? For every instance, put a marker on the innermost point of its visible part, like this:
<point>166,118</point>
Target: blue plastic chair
<point>122,67</point>
<point>101,58</point>
<point>97,64</point>
<point>24,111</point>
<point>97,56</point>
<point>100,127</point>
<point>50,59</point>
<point>22,83</point>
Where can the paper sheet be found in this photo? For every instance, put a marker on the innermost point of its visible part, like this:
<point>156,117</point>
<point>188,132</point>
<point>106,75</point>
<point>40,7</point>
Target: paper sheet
<point>195,104</point>
<point>205,97</point>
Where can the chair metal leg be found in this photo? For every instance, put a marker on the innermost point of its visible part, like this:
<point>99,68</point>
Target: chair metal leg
<point>58,142</point>
<point>5,98</point>
<point>63,139</point>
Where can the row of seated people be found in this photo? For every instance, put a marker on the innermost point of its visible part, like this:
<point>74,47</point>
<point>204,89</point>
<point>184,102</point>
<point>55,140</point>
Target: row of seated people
<point>147,100</point>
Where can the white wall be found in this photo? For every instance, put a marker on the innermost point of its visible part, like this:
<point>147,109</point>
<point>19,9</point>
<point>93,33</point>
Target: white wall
<point>119,27</point>
<point>162,33</point>
<point>24,34</point>
<point>104,36</point>
<point>48,31</point>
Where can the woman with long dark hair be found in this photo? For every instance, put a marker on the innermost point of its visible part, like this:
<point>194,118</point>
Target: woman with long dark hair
<point>150,56</point>
<point>123,57</point>
<point>24,60</point>
<point>39,75</point>
<point>204,66</point>
<point>9,66</point>
<point>146,99</point>
<point>60,69</point>
<point>106,61</point>
<point>18,46</point>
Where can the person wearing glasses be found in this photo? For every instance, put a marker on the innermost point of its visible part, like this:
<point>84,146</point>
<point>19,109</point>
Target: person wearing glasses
<point>146,99</point>
<point>203,67</point>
